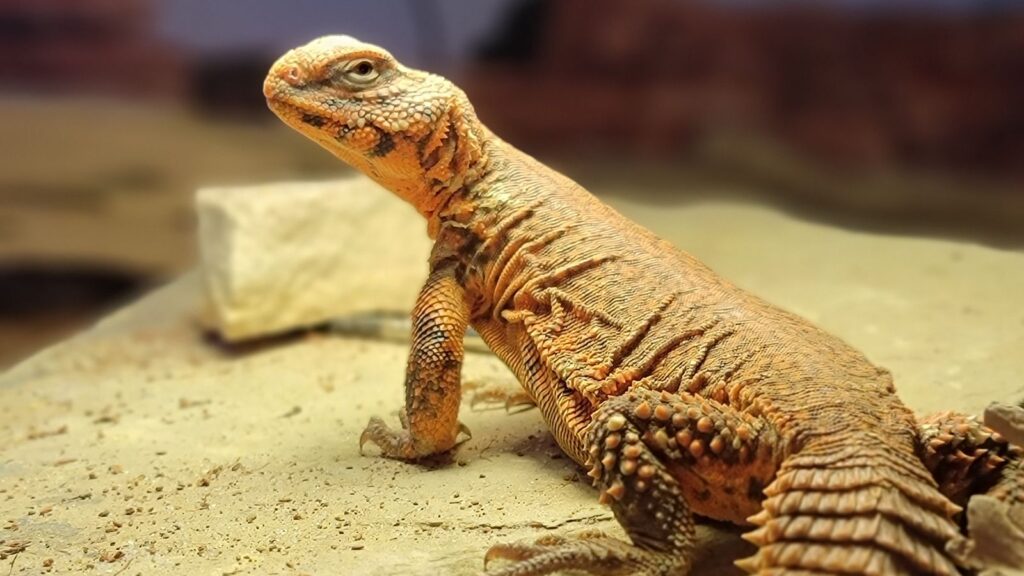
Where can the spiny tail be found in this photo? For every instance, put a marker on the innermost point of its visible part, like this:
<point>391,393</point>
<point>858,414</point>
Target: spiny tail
<point>852,510</point>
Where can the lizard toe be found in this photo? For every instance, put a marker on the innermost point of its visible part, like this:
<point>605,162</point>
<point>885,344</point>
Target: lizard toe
<point>498,397</point>
<point>590,553</point>
<point>393,444</point>
<point>402,444</point>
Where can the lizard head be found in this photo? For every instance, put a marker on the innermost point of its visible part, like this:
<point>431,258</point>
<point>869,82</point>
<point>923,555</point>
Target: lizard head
<point>412,131</point>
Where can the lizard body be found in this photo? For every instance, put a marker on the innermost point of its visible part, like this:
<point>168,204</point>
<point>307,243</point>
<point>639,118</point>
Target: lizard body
<point>680,392</point>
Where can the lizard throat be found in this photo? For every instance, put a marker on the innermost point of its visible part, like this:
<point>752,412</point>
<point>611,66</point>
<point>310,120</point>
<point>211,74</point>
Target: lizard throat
<point>440,168</point>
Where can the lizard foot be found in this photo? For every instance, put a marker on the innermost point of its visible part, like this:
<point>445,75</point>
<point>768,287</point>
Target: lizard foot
<point>402,445</point>
<point>589,552</point>
<point>515,401</point>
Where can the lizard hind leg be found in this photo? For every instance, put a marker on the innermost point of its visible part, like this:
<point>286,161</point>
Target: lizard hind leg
<point>645,497</point>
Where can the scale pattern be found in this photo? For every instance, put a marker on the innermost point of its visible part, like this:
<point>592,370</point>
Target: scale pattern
<point>681,393</point>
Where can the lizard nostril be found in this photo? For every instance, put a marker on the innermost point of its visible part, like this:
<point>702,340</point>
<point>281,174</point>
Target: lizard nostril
<point>292,75</point>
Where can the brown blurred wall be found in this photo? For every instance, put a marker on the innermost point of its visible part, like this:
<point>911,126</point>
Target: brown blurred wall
<point>86,46</point>
<point>848,86</point>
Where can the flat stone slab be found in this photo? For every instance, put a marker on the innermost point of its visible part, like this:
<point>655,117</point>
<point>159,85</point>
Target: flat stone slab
<point>281,257</point>
<point>143,447</point>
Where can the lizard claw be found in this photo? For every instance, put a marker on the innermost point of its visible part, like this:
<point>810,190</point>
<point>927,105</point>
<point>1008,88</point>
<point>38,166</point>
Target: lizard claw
<point>401,444</point>
<point>376,431</point>
<point>397,444</point>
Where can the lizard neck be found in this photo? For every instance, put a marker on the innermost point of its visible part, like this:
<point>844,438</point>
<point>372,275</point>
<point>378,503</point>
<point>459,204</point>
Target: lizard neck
<point>452,161</point>
<point>459,197</point>
<point>456,171</point>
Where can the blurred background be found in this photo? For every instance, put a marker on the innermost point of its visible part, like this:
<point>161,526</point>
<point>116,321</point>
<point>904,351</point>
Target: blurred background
<point>896,116</point>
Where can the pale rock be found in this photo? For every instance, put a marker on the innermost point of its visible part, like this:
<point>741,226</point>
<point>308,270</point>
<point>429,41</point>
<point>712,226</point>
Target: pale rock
<point>280,257</point>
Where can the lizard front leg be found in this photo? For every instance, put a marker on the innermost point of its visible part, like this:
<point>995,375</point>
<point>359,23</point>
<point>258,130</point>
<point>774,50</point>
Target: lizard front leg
<point>432,391</point>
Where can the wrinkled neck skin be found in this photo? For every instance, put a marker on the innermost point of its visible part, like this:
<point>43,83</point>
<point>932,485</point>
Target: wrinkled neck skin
<point>445,182</point>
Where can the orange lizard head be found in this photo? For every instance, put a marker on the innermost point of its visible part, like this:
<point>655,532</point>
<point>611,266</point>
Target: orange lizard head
<point>412,131</point>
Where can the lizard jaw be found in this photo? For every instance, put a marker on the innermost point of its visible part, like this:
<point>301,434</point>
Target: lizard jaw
<point>329,132</point>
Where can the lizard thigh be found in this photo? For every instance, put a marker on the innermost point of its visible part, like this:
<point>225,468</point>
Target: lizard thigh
<point>645,497</point>
<point>657,457</point>
<point>720,457</point>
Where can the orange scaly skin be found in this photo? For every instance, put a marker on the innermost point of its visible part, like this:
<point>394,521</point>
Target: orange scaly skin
<point>682,393</point>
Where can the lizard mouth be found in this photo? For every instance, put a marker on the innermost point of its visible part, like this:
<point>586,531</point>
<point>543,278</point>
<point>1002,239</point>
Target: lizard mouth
<point>311,124</point>
<point>282,102</point>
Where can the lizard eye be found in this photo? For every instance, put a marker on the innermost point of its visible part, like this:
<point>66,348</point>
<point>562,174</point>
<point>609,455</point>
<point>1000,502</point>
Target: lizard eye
<point>361,72</point>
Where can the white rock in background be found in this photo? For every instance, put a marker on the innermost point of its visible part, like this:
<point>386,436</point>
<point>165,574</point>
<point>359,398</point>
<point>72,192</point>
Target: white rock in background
<point>278,257</point>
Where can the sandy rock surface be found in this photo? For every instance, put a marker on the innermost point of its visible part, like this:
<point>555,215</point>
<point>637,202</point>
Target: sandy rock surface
<point>143,447</point>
